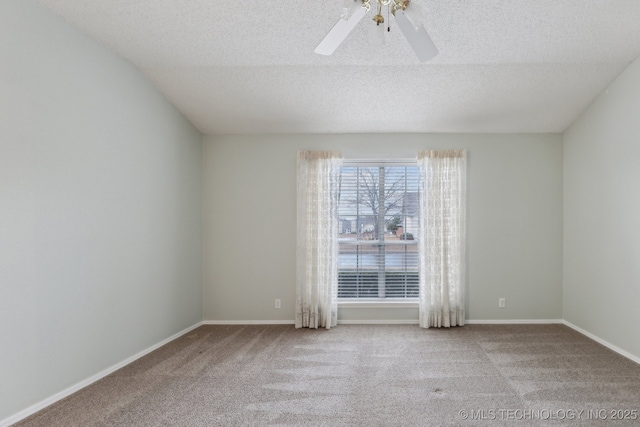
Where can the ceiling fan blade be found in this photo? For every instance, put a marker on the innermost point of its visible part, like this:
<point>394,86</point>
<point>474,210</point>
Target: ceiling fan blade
<point>339,32</point>
<point>418,38</point>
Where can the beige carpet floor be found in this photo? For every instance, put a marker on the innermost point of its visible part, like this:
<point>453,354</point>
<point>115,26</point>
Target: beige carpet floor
<point>364,375</point>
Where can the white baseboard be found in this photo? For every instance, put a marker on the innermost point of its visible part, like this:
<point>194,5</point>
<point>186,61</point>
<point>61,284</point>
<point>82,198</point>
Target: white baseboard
<point>379,322</point>
<point>385,322</point>
<point>292,322</point>
<point>467,322</point>
<point>82,384</point>
<point>512,321</point>
<point>249,322</point>
<point>603,342</point>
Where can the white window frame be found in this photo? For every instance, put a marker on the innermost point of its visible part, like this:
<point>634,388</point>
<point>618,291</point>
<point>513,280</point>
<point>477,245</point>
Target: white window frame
<point>379,302</point>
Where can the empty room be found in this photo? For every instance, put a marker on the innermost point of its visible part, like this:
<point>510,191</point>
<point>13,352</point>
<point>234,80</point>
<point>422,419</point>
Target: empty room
<point>358,213</point>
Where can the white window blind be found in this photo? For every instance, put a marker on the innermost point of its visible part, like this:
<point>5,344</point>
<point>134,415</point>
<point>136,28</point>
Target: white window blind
<point>378,228</point>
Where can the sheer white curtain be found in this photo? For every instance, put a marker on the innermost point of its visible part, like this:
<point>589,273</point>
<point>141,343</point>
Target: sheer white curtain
<point>442,237</point>
<point>317,238</point>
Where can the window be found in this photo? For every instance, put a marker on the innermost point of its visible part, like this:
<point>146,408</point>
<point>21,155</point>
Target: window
<point>378,225</point>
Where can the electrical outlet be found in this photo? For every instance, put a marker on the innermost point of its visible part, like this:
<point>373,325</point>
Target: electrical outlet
<point>502,303</point>
<point>278,303</point>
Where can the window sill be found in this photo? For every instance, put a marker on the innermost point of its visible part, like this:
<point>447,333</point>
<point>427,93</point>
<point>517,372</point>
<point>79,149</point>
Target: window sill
<point>378,303</point>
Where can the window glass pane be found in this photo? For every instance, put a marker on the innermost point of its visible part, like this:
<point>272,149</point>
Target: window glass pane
<point>378,226</point>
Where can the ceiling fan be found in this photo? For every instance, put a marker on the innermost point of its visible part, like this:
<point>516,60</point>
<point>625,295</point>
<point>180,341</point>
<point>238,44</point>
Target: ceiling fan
<point>407,15</point>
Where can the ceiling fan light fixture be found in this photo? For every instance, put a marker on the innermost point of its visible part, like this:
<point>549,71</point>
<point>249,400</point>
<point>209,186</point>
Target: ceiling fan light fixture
<point>412,29</point>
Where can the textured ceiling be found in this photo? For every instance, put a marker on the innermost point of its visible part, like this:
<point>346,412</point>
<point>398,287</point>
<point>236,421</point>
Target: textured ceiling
<point>247,66</point>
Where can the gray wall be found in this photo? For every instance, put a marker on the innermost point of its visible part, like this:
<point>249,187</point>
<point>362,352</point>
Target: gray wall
<point>100,209</point>
<point>602,215</point>
<point>514,214</point>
